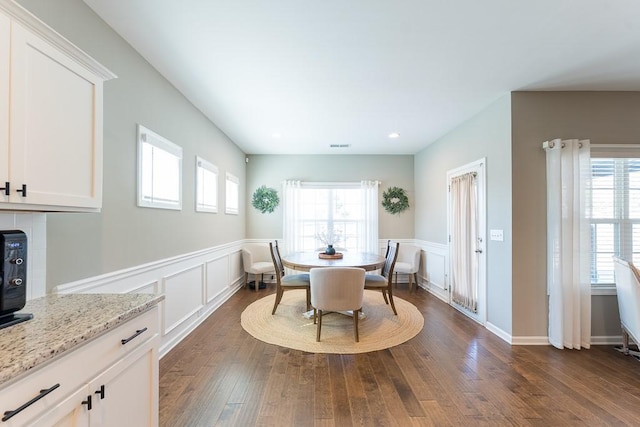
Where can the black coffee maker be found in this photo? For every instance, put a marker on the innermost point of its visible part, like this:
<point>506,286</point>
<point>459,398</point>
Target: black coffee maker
<point>13,277</point>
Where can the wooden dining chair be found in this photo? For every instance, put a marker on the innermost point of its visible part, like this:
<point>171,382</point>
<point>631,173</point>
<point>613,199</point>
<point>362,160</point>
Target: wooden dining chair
<point>287,281</point>
<point>384,281</point>
<point>337,289</point>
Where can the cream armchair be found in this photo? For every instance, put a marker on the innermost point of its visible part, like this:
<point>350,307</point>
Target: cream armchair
<point>408,262</point>
<point>256,260</point>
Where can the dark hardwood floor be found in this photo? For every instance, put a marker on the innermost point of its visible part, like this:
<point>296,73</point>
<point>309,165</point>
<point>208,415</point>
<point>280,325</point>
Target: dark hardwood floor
<point>454,372</point>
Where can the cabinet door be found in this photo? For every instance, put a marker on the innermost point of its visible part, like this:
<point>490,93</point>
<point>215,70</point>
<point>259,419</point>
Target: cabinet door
<point>127,393</point>
<point>5,49</point>
<point>56,126</point>
<point>71,412</point>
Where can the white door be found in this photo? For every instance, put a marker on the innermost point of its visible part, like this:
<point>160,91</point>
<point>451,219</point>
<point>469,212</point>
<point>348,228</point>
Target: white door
<point>466,222</point>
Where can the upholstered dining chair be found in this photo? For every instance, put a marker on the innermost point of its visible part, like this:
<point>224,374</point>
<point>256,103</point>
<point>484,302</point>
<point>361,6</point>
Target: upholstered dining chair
<point>628,292</point>
<point>288,281</point>
<point>408,262</point>
<point>337,289</point>
<point>384,281</point>
<point>256,261</point>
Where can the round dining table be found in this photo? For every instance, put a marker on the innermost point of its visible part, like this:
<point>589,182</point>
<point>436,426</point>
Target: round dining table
<point>305,261</point>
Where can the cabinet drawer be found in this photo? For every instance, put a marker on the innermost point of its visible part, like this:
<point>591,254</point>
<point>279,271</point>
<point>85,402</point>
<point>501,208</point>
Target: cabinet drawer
<point>71,370</point>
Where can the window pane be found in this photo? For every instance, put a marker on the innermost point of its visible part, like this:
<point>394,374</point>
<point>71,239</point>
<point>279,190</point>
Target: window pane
<point>166,169</point>
<point>159,171</point>
<point>206,186</point>
<point>615,214</point>
<point>231,195</point>
<point>602,205</point>
<point>329,213</point>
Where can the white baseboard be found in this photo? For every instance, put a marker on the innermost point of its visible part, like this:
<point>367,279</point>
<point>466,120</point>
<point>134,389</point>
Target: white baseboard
<point>530,340</point>
<point>606,340</point>
<point>436,291</point>
<point>499,332</point>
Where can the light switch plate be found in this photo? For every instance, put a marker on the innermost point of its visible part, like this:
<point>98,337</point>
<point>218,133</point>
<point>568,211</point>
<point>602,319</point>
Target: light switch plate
<point>496,235</point>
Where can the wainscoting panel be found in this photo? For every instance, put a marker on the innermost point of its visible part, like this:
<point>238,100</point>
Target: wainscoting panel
<point>235,266</point>
<point>434,268</point>
<point>217,278</point>
<point>194,285</point>
<point>184,296</point>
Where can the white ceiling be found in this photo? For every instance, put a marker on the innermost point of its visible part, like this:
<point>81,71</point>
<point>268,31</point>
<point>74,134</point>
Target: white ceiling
<point>353,71</point>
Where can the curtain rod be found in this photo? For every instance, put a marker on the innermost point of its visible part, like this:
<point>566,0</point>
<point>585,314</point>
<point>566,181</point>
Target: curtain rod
<point>615,145</point>
<point>334,184</point>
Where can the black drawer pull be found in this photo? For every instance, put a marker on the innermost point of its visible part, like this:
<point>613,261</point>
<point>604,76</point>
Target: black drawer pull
<point>100,392</point>
<point>138,332</point>
<point>43,393</point>
<point>6,188</point>
<point>23,190</point>
<point>87,402</point>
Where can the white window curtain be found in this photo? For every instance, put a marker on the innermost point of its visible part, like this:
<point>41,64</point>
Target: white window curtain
<point>291,205</point>
<point>370,215</point>
<point>464,233</point>
<point>568,244</point>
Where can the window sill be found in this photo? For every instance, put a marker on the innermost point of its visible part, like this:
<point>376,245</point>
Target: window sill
<point>603,290</point>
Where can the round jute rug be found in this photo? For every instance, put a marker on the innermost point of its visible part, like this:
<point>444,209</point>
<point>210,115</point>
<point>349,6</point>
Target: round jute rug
<point>379,329</point>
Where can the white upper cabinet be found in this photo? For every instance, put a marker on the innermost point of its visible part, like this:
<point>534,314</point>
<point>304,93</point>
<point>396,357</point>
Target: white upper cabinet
<point>51,153</point>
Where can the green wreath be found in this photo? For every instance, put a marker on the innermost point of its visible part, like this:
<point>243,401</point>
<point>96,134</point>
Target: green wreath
<point>395,200</point>
<point>265,199</point>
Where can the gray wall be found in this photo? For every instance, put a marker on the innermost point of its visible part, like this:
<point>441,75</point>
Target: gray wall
<point>602,117</point>
<point>271,170</point>
<point>486,135</point>
<point>123,235</point>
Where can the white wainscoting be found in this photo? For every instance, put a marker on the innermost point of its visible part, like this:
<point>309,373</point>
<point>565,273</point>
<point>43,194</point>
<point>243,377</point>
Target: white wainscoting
<point>194,285</point>
<point>434,269</point>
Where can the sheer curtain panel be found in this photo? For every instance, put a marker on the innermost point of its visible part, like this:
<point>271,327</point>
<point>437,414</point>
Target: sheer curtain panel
<point>369,242</point>
<point>568,244</point>
<point>464,233</point>
<point>291,205</point>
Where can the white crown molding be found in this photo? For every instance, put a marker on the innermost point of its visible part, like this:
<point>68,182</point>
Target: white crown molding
<point>33,24</point>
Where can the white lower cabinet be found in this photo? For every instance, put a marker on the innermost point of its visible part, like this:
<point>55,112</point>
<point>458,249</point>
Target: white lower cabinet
<point>122,394</point>
<point>110,381</point>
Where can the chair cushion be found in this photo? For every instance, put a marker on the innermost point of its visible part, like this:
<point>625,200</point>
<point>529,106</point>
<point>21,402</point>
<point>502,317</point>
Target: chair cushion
<point>295,280</point>
<point>403,267</point>
<point>375,281</point>
<point>260,267</point>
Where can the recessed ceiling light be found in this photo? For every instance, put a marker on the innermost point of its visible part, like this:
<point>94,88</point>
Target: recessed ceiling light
<point>276,135</point>
<point>394,135</point>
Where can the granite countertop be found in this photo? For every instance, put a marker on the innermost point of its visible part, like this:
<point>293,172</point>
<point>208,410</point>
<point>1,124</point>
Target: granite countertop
<point>61,322</point>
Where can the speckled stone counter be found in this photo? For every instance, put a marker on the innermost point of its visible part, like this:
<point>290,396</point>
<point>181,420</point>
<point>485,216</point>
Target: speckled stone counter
<point>61,322</point>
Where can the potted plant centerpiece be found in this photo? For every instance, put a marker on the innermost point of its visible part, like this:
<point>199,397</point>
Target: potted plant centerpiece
<point>329,238</point>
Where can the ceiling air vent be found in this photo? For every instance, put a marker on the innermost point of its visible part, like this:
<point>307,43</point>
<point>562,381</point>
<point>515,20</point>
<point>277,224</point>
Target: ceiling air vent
<point>340,145</point>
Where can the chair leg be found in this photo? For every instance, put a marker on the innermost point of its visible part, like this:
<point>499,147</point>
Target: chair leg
<point>393,306</point>
<point>315,316</point>
<point>410,282</point>
<point>279,293</point>
<point>308,299</point>
<point>384,295</point>
<point>246,279</point>
<point>319,325</point>
<point>415,280</point>
<point>356,315</point>
<point>396,281</point>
